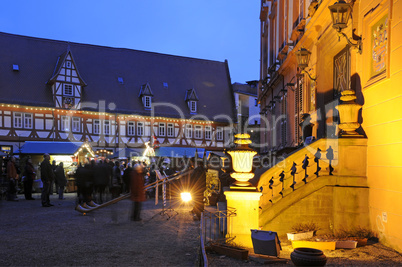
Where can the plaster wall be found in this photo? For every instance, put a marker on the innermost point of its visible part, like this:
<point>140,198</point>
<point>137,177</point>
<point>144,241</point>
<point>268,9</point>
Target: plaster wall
<point>382,122</point>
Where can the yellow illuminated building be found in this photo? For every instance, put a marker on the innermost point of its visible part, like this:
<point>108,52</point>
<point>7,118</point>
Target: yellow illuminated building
<point>331,173</point>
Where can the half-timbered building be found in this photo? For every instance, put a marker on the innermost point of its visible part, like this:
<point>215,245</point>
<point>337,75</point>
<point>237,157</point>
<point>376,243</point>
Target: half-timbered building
<point>110,97</point>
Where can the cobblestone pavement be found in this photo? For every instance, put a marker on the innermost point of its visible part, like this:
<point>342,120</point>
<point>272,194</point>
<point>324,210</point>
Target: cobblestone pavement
<point>31,235</point>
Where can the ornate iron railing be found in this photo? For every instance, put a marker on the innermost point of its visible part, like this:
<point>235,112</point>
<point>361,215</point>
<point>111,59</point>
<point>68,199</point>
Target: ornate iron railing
<point>299,168</point>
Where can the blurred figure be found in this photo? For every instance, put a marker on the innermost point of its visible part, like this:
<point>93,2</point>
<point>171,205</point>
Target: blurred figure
<point>198,185</point>
<point>126,178</point>
<point>60,180</point>
<point>137,191</point>
<point>12,177</point>
<point>115,185</point>
<point>79,181</point>
<point>54,166</point>
<point>101,179</point>
<point>29,178</point>
<point>47,176</point>
<point>88,185</point>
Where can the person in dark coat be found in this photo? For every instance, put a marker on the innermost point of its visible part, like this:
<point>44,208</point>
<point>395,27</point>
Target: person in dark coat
<point>198,180</point>
<point>126,178</point>
<point>101,179</point>
<point>88,186</point>
<point>12,177</point>
<point>137,191</point>
<point>79,181</point>
<point>116,181</point>
<point>60,179</point>
<point>54,182</point>
<point>29,178</point>
<point>47,176</point>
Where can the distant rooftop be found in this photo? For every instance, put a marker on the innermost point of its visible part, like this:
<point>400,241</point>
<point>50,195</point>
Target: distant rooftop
<point>245,88</point>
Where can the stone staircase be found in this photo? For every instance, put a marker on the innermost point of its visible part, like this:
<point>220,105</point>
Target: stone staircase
<point>324,182</point>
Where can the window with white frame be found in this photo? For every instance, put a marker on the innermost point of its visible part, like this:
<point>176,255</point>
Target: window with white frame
<point>65,123</point>
<point>76,124</point>
<point>189,131</point>
<point>161,129</point>
<point>208,131</point>
<point>68,89</point>
<point>140,128</point>
<point>193,106</point>
<point>68,64</point>
<point>198,131</point>
<point>17,120</point>
<point>27,120</point>
<point>96,126</point>
<point>147,101</point>
<point>219,133</point>
<point>130,128</point>
<point>106,127</point>
<point>170,129</point>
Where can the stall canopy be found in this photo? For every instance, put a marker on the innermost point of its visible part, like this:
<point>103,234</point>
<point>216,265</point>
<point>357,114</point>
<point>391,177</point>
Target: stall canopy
<point>209,154</point>
<point>54,148</point>
<point>179,152</point>
<point>127,153</point>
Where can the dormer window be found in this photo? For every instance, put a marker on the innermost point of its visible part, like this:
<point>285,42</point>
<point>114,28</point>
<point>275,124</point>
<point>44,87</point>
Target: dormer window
<point>191,99</point>
<point>146,95</point>
<point>147,101</point>
<point>193,106</point>
<point>68,89</point>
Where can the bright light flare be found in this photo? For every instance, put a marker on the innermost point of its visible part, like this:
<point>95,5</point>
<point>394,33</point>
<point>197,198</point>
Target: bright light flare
<point>186,197</point>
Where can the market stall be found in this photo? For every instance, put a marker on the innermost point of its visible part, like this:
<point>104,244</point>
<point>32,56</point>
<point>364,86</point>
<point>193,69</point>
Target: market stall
<point>70,153</point>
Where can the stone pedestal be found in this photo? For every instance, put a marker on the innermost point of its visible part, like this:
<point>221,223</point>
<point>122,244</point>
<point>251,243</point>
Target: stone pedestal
<point>246,202</point>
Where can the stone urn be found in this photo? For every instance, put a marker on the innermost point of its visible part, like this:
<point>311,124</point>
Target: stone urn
<point>308,257</point>
<point>348,113</point>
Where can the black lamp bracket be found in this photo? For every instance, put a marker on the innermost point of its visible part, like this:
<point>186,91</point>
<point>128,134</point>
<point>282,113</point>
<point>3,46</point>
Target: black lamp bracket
<point>308,74</point>
<point>356,38</point>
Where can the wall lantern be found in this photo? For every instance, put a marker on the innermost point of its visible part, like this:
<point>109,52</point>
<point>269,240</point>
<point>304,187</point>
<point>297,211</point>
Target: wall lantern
<point>340,13</point>
<point>242,160</point>
<point>303,58</point>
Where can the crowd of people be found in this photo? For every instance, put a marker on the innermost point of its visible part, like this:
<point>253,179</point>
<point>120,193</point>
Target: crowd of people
<point>98,181</point>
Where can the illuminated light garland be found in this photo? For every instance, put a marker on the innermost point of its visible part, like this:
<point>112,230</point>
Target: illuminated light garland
<point>105,114</point>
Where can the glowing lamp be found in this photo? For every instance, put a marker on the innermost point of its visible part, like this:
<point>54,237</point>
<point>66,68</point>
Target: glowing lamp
<point>340,13</point>
<point>303,58</point>
<point>185,196</point>
<point>242,160</point>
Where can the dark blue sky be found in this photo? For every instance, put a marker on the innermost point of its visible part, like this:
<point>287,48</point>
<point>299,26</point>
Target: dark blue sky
<point>207,29</point>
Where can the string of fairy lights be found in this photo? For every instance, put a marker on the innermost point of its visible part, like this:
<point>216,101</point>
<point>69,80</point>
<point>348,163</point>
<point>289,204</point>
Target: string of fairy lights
<point>120,116</point>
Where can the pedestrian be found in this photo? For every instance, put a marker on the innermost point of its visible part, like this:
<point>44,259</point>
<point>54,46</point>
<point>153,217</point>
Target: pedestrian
<point>197,188</point>
<point>101,180</point>
<point>29,178</point>
<point>47,177</point>
<point>54,166</point>
<point>116,180</point>
<point>126,178</point>
<point>79,181</point>
<point>88,182</point>
<point>12,177</point>
<point>137,191</point>
<point>60,180</point>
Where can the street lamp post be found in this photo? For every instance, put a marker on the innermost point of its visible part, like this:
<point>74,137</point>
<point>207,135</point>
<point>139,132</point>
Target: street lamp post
<point>242,196</point>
